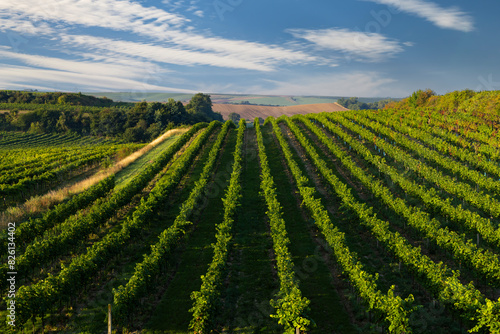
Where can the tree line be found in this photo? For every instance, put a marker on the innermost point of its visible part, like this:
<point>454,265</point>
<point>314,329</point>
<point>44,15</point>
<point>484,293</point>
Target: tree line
<point>140,123</point>
<point>353,103</point>
<point>75,99</point>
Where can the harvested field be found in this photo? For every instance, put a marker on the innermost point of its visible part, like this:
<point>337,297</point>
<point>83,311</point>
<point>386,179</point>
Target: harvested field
<point>251,111</point>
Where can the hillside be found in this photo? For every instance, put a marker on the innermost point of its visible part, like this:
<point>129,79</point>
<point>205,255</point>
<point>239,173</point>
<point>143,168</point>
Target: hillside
<point>252,111</point>
<point>339,222</point>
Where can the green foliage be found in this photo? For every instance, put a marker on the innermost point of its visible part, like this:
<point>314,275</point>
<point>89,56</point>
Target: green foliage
<point>467,101</point>
<point>58,162</point>
<point>353,103</point>
<point>289,304</point>
<point>10,96</point>
<point>420,220</point>
<point>27,231</point>
<point>395,310</point>
<point>63,113</point>
<point>234,117</point>
<point>445,145</point>
<point>488,317</point>
<point>126,297</point>
<point>420,97</point>
<point>41,297</point>
<point>447,288</point>
<point>200,107</point>
<point>206,300</point>
<point>36,128</point>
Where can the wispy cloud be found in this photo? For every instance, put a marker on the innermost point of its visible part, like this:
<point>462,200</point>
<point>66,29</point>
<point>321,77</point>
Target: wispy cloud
<point>448,18</point>
<point>167,55</point>
<point>113,14</point>
<point>132,69</point>
<point>166,32</point>
<point>47,79</point>
<point>359,45</point>
<point>112,73</point>
<point>199,13</point>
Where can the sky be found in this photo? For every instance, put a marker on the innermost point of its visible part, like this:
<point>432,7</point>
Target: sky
<point>364,48</point>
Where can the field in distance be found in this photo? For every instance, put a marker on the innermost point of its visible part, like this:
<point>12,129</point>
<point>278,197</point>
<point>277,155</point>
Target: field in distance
<point>254,111</point>
<point>271,100</point>
<point>267,100</point>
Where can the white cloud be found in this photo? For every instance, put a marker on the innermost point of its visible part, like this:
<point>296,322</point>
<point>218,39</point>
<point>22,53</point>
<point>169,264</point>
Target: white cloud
<point>184,46</point>
<point>108,68</point>
<point>19,76</point>
<point>448,18</point>
<point>102,73</point>
<point>170,55</point>
<point>360,45</point>
<point>362,84</point>
<point>113,14</point>
<point>199,13</point>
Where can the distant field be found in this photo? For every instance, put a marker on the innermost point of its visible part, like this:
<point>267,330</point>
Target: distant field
<point>142,96</point>
<point>251,111</point>
<point>275,100</point>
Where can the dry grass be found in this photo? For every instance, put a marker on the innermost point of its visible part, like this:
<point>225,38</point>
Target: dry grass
<point>37,204</point>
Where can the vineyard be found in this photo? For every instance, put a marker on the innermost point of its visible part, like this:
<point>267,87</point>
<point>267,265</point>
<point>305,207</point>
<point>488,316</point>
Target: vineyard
<point>347,222</point>
<point>32,164</point>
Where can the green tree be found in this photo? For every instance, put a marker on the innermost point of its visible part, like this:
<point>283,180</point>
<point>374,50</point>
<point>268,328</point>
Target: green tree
<point>62,99</point>
<point>61,125</point>
<point>109,122</point>
<point>135,134</point>
<point>36,128</point>
<point>24,121</point>
<point>420,97</point>
<point>172,111</point>
<point>234,117</point>
<point>153,131</point>
<point>136,114</point>
<point>200,104</point>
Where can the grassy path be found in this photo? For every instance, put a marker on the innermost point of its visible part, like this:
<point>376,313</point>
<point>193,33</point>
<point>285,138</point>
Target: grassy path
<point>126,174</point>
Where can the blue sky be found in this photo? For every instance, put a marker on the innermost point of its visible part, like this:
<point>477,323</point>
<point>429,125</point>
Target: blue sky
<point>279,47</point>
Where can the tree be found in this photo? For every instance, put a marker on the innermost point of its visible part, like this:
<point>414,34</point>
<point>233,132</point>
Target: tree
<point>4,123</point>
<point>200,104</point>
<point>153,131</point>
<point>172,111</point>
<point>151,112</point>
<point>23,121</point>
<point>62,99</point>
<point>234,117</point>
<point>61,125</point>
<point>136,114</point>
<point>419,97</point>
<point>134,134</point>
<point>109,122</point>
<point>49,118</point>
<point>36,128</point>
<point>200,109</point>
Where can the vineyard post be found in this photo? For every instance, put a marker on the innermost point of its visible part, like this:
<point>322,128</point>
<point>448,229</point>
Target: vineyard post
<point>297,330</point>
<point>109,318</point>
